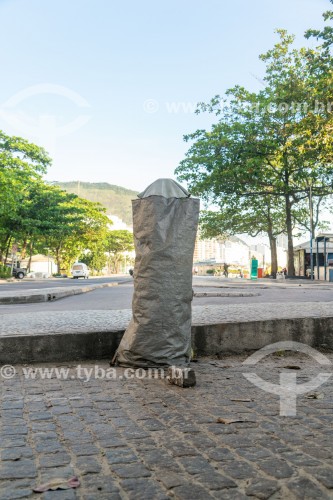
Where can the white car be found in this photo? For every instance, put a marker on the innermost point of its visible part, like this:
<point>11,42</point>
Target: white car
<point>80,270</point>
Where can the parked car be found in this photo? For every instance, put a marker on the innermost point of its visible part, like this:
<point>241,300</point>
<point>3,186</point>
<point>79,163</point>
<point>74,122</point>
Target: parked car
<point>19,272</point>
<point>80,270</point>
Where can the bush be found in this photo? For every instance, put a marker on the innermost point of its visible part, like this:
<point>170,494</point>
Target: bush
<point>210,271</point>
<point>5,272</point>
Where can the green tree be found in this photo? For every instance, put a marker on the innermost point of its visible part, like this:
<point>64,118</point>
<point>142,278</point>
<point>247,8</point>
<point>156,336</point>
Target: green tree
<point>77,225</point>
<point>117,243</point>
<point>247,215</point>
<point>21,164</point>
<point>95,258</point>
<point>273,143</point>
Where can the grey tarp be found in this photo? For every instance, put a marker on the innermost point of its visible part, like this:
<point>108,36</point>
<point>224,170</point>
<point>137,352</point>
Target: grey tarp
<point>159,333</point>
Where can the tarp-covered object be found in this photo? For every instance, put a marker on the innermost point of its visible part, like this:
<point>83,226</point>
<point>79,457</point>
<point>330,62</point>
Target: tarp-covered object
<point>165,187</point>
<point>159,333</point>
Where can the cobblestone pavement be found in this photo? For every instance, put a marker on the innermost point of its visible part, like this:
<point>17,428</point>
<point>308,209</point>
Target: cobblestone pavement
<point>144,439</point>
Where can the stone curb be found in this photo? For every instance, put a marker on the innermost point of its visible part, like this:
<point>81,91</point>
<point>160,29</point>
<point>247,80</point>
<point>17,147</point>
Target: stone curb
<point>47,294</point>
<point>225,294</point>
<point>80,335</point>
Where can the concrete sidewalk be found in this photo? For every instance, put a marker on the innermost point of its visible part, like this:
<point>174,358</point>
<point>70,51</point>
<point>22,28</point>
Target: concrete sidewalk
<point>72,335</point>
<point>262,283</point>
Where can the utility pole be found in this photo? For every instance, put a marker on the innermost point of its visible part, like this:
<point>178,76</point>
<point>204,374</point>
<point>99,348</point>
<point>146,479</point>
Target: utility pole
<point>311,233</point>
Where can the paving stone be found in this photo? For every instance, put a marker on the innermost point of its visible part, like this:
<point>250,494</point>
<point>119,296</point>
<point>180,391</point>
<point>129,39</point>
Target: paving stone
<point>121,422</point>
<point>215,481</point>
<point>181,450</point>
<point>88,465</point>
<point>57,459</point>
<point>112,442</point>
<point>195,465</point>
<point>43,426</point>
<point>300,459</point>
<point>102,496</point>
<point>12,414</point>
<point>64,472</point>
<point>229,495</point>
<point>170,479</point>
<point>17,453</point>
<point>130,471</point>
<point>134,433</point>
<point>235,440</point>
<point>121,456</point>
<point>85,449</point>
<point>276,468</point>
<point>8,430</point>
<point>152,424</point>
<point>61,409</point>
<point>49,446</point>
<point>238,469</point>
<point>45,435</point>
<point>78,437</point>
<point>159,459</point>
<point>144,444</point>
<point>190,491</point>
<point>8,405</point>
<point>202,442</point>
<point>324,476</point>
<point>137,489</point>
<point>12,441</point>
<point>99,484</point>
<point>262,488</point>
<point>303,488</point>
<point>220,454</point>
<point>60,495</point>
<point>40,416</point>
<point>15,470</point>
<point>18,484</point>
<point>320,453</point>
<point>11,494</point>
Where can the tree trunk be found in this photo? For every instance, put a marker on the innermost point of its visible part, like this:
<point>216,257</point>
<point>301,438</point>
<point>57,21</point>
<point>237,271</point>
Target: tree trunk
<point>30,256</point>
<point>7,249</point>
<point>58,261</point>
<point>291,264</point>
<point>274,261</point>
<point>109,264</point>
<point>24,249</point>
<point>4,247</point>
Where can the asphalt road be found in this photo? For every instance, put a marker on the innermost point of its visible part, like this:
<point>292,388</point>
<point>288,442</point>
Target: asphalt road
<point>120,297</point>
<point>27,284</point>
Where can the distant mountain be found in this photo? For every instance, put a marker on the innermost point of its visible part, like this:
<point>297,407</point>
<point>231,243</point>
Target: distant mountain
<point>116,199</point>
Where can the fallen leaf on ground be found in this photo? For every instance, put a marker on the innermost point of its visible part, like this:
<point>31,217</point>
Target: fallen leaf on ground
<point>242,400</point>
<point>58,483</point>
<point>315,395</point>
<point>228,421</point>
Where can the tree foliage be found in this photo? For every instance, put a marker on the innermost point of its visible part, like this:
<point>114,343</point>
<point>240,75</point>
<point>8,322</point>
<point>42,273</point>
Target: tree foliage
<point>269,148</point>
<point>117,243</point>
<point>39,216</point>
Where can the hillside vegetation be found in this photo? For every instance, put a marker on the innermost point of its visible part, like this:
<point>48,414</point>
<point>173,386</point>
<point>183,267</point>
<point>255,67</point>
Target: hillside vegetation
<point>116,199</point>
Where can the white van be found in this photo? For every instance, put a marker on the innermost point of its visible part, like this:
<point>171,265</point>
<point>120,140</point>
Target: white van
<point>80,270</point>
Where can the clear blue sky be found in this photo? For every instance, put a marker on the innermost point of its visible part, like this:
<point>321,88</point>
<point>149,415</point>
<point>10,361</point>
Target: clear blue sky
<point>76,75</point>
